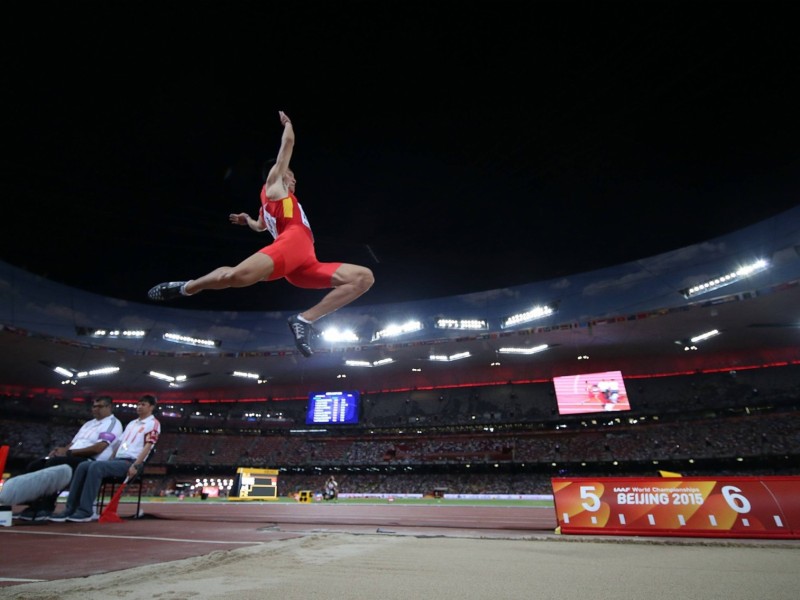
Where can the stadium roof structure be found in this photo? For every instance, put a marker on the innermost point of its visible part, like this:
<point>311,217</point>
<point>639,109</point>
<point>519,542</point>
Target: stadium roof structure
<point>637,317</point>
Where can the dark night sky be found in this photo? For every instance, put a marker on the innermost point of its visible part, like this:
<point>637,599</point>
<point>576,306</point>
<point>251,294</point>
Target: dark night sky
<point>450,148</point>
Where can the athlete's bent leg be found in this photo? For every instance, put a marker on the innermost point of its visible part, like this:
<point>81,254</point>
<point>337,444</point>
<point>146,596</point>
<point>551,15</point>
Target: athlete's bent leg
<point>348,282</point>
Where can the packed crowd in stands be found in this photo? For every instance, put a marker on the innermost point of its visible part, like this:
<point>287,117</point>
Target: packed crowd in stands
<point>502,439</point>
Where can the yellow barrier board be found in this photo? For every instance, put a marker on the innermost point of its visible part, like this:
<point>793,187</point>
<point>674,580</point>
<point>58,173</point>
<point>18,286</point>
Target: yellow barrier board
<point>254,484</point>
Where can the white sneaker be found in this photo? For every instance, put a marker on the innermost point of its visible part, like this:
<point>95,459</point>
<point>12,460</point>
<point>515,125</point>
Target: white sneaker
<point>74,519</point>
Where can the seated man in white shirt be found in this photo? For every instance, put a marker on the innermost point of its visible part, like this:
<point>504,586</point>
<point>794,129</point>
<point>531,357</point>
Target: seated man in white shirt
<point>137,441</point>
<point>95,440</point>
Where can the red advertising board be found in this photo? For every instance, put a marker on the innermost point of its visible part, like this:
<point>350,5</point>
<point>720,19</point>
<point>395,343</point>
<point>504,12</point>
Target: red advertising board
<point>743,507</point>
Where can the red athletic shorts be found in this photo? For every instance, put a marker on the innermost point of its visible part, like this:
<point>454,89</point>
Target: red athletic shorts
<point>295,259</point>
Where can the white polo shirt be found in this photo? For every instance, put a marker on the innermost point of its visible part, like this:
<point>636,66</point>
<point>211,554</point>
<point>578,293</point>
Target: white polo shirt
<point>136,434</point>
<point>89,435</point>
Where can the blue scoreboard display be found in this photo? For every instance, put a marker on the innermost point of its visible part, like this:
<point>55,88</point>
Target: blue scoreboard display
<point>332,408</point>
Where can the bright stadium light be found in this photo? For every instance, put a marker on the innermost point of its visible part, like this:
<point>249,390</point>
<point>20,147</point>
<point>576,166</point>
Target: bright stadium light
<point>452,357</point>
<point>704,336</point>
<point>727,279</point>
<point>168,378</point>
<point>462,324</point>
<point>246,375</point>
<point>366,363</point>
<point>532,350</point>
<point>397,330</point>
<point>333,334</point>
<point>177,338</point>
<point>94,372</point>
<point>537,312</point>
<point>106,332</point>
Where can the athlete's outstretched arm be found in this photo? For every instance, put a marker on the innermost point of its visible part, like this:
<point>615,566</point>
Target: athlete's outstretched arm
<point>245,219</point>
<point>281,165</point>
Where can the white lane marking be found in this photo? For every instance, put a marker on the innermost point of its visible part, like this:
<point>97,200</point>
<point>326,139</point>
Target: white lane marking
<point>135,537</point>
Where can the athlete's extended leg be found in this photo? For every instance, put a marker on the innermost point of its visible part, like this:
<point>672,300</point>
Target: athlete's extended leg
<point>251,270</point>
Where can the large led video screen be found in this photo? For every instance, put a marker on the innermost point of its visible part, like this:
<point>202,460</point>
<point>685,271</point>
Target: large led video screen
<point>590,393</point>
<point>332,408</point>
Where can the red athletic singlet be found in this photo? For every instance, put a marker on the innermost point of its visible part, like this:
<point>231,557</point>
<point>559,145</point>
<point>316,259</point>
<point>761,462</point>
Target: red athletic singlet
<point>280,214</point>
<point>293,248</point>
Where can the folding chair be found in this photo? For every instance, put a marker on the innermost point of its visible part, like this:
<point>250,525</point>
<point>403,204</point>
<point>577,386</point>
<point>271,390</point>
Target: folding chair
<point>110,484</point>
